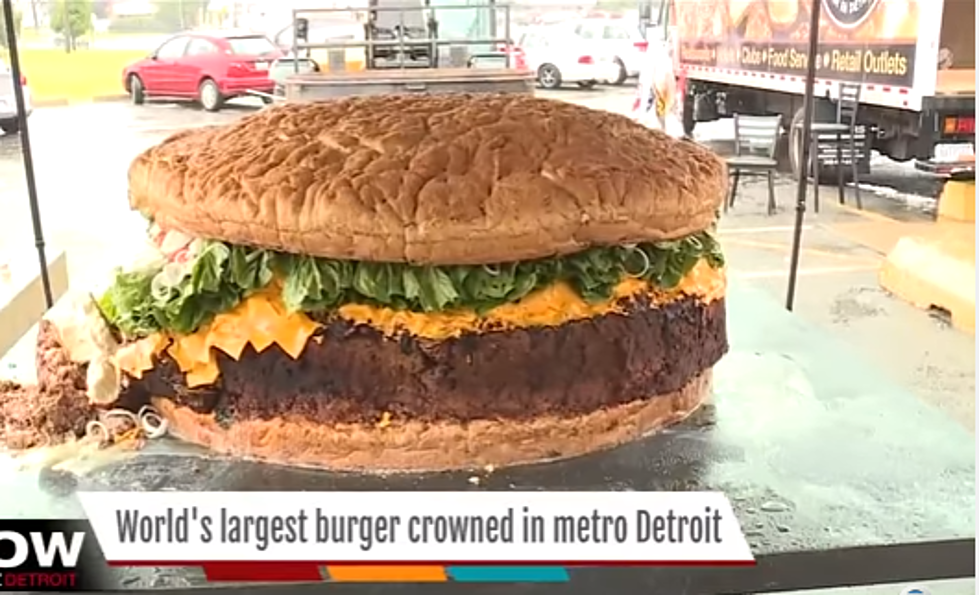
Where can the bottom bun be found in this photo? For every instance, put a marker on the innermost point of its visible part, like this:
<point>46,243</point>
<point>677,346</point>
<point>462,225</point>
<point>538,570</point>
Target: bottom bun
<point>416,447</point>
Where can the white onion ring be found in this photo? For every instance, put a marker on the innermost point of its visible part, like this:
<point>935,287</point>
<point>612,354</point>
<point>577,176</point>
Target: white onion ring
<point>152,423</point>
<point>646,264</point>
<point>491,270</point>
<point>90,431</point>
<point>121,413</point>
<point>168,280</point>
<point>159,289</point>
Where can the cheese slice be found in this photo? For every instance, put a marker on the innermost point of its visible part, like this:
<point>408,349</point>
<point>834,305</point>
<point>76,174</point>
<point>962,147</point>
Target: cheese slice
<point>262,320</point>
<point>137,358</point>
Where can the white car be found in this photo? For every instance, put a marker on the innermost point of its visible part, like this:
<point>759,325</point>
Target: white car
<point>9,121</point>
<point>619,38</point>
<point>559,57</point>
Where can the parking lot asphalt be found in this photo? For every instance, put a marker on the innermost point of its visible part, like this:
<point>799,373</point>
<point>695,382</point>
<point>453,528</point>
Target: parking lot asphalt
<point>82,153</point>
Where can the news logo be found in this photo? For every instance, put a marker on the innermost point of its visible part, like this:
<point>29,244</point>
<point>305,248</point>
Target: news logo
<point>50,555</point>
<point>915,590</point>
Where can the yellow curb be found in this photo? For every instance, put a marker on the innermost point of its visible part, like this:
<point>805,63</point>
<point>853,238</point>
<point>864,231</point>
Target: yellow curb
<point>63,102</point>
<point>864,213</point>
<point>776,247</point>
<point>878,236</point>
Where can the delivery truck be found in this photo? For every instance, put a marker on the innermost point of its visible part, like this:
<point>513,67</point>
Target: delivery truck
<point>913,59</point>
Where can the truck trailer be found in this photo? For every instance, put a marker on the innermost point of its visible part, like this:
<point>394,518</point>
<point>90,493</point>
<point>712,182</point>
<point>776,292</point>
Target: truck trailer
<point>913,59</point>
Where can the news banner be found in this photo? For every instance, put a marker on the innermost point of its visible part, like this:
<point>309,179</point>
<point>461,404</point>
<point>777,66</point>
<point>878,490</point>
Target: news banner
<point>367,536</point>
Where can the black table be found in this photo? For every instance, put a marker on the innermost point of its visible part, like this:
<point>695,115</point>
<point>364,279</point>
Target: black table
<point>837,476</point>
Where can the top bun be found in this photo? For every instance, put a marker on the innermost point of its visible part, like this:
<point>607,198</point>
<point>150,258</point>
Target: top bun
<point>429,179</point>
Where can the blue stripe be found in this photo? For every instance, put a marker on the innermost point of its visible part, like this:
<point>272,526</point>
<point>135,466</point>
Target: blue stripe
<point>508,574</point>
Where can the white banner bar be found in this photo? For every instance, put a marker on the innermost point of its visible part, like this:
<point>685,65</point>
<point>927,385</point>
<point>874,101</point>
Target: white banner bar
<point>414,527</point>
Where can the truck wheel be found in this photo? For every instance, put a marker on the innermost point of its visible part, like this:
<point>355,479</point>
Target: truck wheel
<point>795,154</point>
<point>795,145</point>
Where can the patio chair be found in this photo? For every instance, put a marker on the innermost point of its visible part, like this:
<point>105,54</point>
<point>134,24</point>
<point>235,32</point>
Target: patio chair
<point>755,138</point>
<point>841,143</point>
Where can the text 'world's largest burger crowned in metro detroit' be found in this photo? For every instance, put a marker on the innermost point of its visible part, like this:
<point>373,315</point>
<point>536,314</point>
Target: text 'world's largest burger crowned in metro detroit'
<point>417,283</point>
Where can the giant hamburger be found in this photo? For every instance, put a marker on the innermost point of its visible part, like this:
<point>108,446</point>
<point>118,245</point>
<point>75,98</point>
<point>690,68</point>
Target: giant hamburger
<point>422,282</point>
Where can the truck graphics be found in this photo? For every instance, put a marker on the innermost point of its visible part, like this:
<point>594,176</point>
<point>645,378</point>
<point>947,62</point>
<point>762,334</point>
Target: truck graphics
<point>914,61</point>
<point>867,41</point>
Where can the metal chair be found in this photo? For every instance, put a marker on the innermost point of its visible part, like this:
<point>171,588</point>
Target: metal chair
<point>755,138</point>
<point>841,142</point>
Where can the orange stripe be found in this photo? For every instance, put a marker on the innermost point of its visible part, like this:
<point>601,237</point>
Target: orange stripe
<point>388,574</point>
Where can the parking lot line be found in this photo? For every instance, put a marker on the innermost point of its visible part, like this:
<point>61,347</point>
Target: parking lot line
<point>806,272</point>
<point>804,250</point>
<point>866,214</point>
<point>770,229</point>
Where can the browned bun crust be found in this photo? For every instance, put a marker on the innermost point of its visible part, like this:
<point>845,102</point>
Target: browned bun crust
<point>439,179</point>
<point>418,446</point>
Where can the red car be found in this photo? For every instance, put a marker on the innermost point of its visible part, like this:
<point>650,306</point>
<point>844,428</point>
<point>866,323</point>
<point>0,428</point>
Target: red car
<point>210,68</point>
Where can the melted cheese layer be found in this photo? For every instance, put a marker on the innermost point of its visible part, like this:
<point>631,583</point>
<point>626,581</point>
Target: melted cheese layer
<point>262,320</point>
<point>552,306</point>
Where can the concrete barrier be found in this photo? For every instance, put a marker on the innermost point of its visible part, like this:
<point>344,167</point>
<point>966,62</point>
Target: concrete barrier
<point>22,297</point>
<point>935,266</point>
<point>958,202</point>
<point>936,270</point>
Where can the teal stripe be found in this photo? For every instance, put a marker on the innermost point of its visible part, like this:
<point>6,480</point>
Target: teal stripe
<point>508,574</point>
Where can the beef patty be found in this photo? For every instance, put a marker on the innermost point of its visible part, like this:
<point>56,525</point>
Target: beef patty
<point>352,373</point>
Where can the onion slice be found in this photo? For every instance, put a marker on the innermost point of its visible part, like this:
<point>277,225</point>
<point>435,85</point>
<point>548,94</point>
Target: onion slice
<point>121,413</point>
<point>152,423</point>
<point>98,430</point>
<point>646,263</point>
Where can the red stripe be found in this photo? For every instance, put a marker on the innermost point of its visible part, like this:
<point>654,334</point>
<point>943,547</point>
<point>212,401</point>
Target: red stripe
<point>782,77</point>
<point>316,565</point>
<point>271,572</point>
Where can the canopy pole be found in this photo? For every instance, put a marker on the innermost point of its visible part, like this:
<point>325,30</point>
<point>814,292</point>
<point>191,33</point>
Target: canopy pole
<point>25,144</point>
<point>800,195</point>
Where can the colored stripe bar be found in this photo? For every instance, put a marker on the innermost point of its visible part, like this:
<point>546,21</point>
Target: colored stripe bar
<point>387,574</point>
<point>508,574</point>
<point>264,572</point>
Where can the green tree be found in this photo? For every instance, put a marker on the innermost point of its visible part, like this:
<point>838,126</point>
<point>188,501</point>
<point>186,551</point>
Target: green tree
<point>18,21</point>
<point>177,15</point>
<point>71,19</point>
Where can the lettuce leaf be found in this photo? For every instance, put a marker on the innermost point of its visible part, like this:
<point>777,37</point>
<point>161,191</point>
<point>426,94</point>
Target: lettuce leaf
<point>224,274</point>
